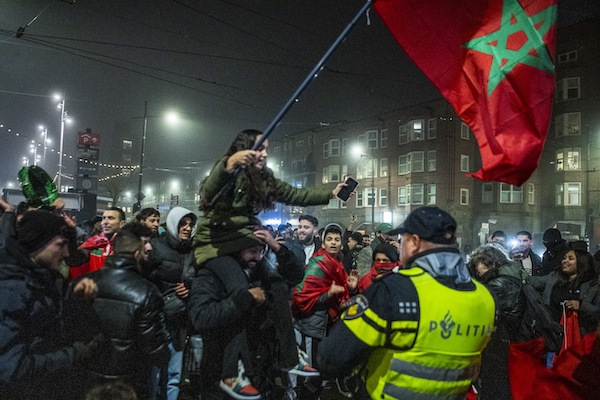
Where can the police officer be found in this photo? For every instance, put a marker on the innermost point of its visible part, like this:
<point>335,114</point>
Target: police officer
<point>417,333</point>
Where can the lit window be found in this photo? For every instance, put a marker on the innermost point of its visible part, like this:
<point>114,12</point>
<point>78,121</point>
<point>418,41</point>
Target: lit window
<point>334,173</point>
<point>568,159</point>
<point>568,194</point>
<point>383,167</point>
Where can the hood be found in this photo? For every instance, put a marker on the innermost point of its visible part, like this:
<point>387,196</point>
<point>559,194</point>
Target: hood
<point>175,215</point>
<point>442,262</point>
<point>512,269</point>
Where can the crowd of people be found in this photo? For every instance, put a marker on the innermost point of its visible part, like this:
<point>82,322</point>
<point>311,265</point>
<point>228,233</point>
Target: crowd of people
<point>133,309</point>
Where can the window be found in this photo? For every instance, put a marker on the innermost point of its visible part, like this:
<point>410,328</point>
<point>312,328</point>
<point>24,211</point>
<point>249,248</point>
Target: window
<point>326,150</point>
<point>530,194</point>
<point>344,172</point>
<point>360,142</point>
<point>510,193</point>
<point>413,130</point>
<point>360,199</point>
<point>364,169</point>
<point>487,193</point>
<point>371,193</point>
<point>310,140</point>
<point>464,197</point>
<point>417,162</point>
<point>333,203</point>
<point>431,160</point>
<point>464,131</point>
<point>285,146</point>
<point>411,162</point>
<point>568,124</point>
<point>403,135</point>
<point>416,193</point>
<point>464,163</point>
<point>334,147</point>
<point>299,143</point>
<point>568,159</point>
<point>403,165</point>
<point>371,137</point>
<point>416,129</point>
<point>432,128</point>
<point>297,165</point>
<point>276,149</point>
<point>383,197</point>
<point>345,147</point>
<point>567,89</point>
<point>383,167</point>
<point>402,195</point>
<point>384,139</point>
<point>334,173</point>
<point>568,56</point>
<point>568,194</point>
<point>325,178</point>
<point>431,193</point>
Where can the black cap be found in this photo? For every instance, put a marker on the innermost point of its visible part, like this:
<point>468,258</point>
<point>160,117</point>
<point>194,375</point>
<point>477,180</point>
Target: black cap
<point>429,223</point>
<point>552,235</point>
<point>37,228</point>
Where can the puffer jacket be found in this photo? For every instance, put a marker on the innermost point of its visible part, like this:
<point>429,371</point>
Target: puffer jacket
<point>504,283</point>
<point>34,353</point>
<point>128,311</point>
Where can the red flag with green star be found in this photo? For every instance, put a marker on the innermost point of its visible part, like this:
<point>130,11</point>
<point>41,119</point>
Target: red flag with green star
<point>493,61</point>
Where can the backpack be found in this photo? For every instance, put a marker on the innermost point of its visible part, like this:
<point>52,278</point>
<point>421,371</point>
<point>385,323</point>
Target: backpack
<point>537,322</point>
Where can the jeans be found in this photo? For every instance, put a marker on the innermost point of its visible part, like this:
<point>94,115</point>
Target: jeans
<point>174,372</point>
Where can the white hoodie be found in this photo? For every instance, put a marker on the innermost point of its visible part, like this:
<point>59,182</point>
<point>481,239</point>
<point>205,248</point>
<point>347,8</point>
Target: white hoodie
<point>175,216</point>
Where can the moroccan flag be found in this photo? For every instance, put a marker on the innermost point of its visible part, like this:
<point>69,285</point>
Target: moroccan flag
<point>493,61</point>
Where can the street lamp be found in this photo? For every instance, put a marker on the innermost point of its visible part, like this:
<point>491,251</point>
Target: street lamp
<point>63,119</point>
<point>171,117</point>
<point>45,135</point>
<point>358,151</point>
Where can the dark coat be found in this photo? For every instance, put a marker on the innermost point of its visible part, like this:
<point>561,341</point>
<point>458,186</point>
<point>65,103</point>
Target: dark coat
<point>34,354</point>
<point>589,296</point>
<point>552,258</point>
<point>128,311</point>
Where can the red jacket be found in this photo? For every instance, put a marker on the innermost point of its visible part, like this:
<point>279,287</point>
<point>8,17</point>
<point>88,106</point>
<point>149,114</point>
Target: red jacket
<point>378,268</point>
<point>320,273</point>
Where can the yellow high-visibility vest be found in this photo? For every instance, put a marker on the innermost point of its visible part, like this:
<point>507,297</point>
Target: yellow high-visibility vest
<point>435,356</point>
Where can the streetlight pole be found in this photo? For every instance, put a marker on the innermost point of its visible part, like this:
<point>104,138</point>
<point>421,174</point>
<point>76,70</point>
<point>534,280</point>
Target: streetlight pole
<point>45,134</point>
<point>62,139</point>
<point>140,196</point>
<point>372,192</point>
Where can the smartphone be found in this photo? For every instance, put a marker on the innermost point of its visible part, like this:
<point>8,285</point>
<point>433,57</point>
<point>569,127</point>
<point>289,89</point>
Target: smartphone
<point>344,193</point>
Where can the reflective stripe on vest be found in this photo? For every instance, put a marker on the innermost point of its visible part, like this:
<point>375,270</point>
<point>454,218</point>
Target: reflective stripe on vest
<point>433,373</point>
<point>395,392</point>
<point>377,332</point>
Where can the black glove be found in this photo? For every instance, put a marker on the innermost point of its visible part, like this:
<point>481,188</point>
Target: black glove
<point>86,351</point>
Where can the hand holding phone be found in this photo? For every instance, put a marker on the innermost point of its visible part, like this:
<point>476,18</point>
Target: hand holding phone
<point>345,191</point>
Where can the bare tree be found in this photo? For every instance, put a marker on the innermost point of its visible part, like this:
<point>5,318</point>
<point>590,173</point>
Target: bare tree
<point>115,186</point>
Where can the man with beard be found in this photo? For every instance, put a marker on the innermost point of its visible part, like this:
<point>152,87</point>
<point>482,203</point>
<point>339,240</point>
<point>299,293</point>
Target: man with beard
<point>149,217</point>
<point>308,240</point>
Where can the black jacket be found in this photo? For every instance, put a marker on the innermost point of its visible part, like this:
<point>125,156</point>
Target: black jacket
<point>35,356</point>
<point>128,311</point>
<point>552,258</point>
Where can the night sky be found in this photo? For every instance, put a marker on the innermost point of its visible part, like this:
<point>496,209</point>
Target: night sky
<point>223,65</point>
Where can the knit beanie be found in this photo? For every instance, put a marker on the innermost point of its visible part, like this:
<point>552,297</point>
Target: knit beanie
<point>37,228</point>
<point>388,249</point>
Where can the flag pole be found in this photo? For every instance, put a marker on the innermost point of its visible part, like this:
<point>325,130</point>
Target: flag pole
<point>311,76</point>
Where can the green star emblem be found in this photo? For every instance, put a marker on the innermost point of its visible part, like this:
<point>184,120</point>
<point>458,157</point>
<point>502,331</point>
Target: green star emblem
<point>502,44</point>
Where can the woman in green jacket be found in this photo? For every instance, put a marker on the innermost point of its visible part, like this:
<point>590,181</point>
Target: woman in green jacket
<point>227,225</point>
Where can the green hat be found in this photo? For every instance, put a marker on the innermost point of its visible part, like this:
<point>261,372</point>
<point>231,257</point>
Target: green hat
<point>383,227</point>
